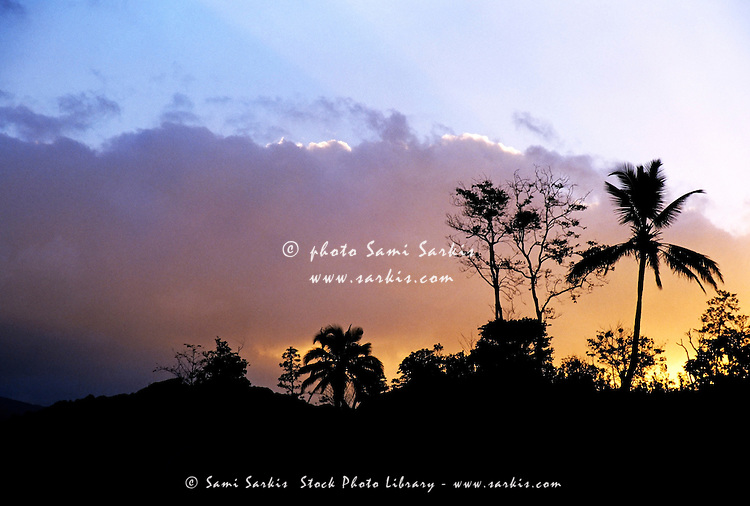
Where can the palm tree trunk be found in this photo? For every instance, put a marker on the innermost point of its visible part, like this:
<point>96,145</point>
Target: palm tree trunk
<point>339,387</point>
<point>628,380</point>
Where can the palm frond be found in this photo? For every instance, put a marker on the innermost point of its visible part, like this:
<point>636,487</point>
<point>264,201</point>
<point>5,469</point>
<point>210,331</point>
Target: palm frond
<point>315,354</point>
<point>321,382</point>
<point>355,334</point>
<point>652,259</point>
<point>599,259</point>
<point>650,191</point>
<point>362,349</point>
<point>623,203</point>
<point>692,265</point>
<point>328,335</point>
<point>366,364</point>
<point>667,216</point>
<point>654,170</point>
<point>640,196</point>
<point>626,174</point>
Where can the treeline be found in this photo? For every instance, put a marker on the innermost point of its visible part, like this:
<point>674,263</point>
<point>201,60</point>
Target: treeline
<point>525,236</point>
<point>342,371</point>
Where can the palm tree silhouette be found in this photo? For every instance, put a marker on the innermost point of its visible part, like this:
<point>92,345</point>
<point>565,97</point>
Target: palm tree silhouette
<point>339,363</point>
<point>640,204</point>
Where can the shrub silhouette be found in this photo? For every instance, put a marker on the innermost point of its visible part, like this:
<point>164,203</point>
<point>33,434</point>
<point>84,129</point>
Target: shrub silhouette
<point>513,349</point>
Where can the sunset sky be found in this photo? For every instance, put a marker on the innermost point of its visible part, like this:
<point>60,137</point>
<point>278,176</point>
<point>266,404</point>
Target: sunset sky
<point>155,158</point>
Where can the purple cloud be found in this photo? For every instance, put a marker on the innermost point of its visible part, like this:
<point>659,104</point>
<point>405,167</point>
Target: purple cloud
<point>77,113</point>
<point>538,127</point>
<point>111,259</point>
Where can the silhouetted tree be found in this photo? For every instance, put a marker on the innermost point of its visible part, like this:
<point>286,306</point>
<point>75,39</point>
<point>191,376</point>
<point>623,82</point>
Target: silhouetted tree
<point>482,221</point>
<point>542,234</point>
<point>188,366</point>
<point>612,349</point>
<point>342,367</point>
<point>580,374</point>
<point>223,367</point>
<point>458,365</point>
<point>370,384</point>
<point>523,233</point>
<point>421,366</point>
<point>722,352</point>
<point>513,349</point>
<point>291,361</point>
<point>218,367</point>
<point>427,365</point>
<point>640,204</point>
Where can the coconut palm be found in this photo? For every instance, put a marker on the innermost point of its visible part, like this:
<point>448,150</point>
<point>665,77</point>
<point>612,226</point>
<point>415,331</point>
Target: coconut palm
<point>640,204</point>
<point>341,364</point>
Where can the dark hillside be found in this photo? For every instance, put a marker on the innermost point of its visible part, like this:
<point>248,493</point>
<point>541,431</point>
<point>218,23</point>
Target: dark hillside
<point>10,407</point>
<point>153,441</point>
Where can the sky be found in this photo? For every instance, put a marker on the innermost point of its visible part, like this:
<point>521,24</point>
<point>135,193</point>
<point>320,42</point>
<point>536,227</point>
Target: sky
<point>157,158</point>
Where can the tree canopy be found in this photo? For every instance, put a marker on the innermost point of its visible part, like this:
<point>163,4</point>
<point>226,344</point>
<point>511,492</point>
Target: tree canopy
<point>342,367</point>
<point>721,345</point>
<point>525,233</point>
